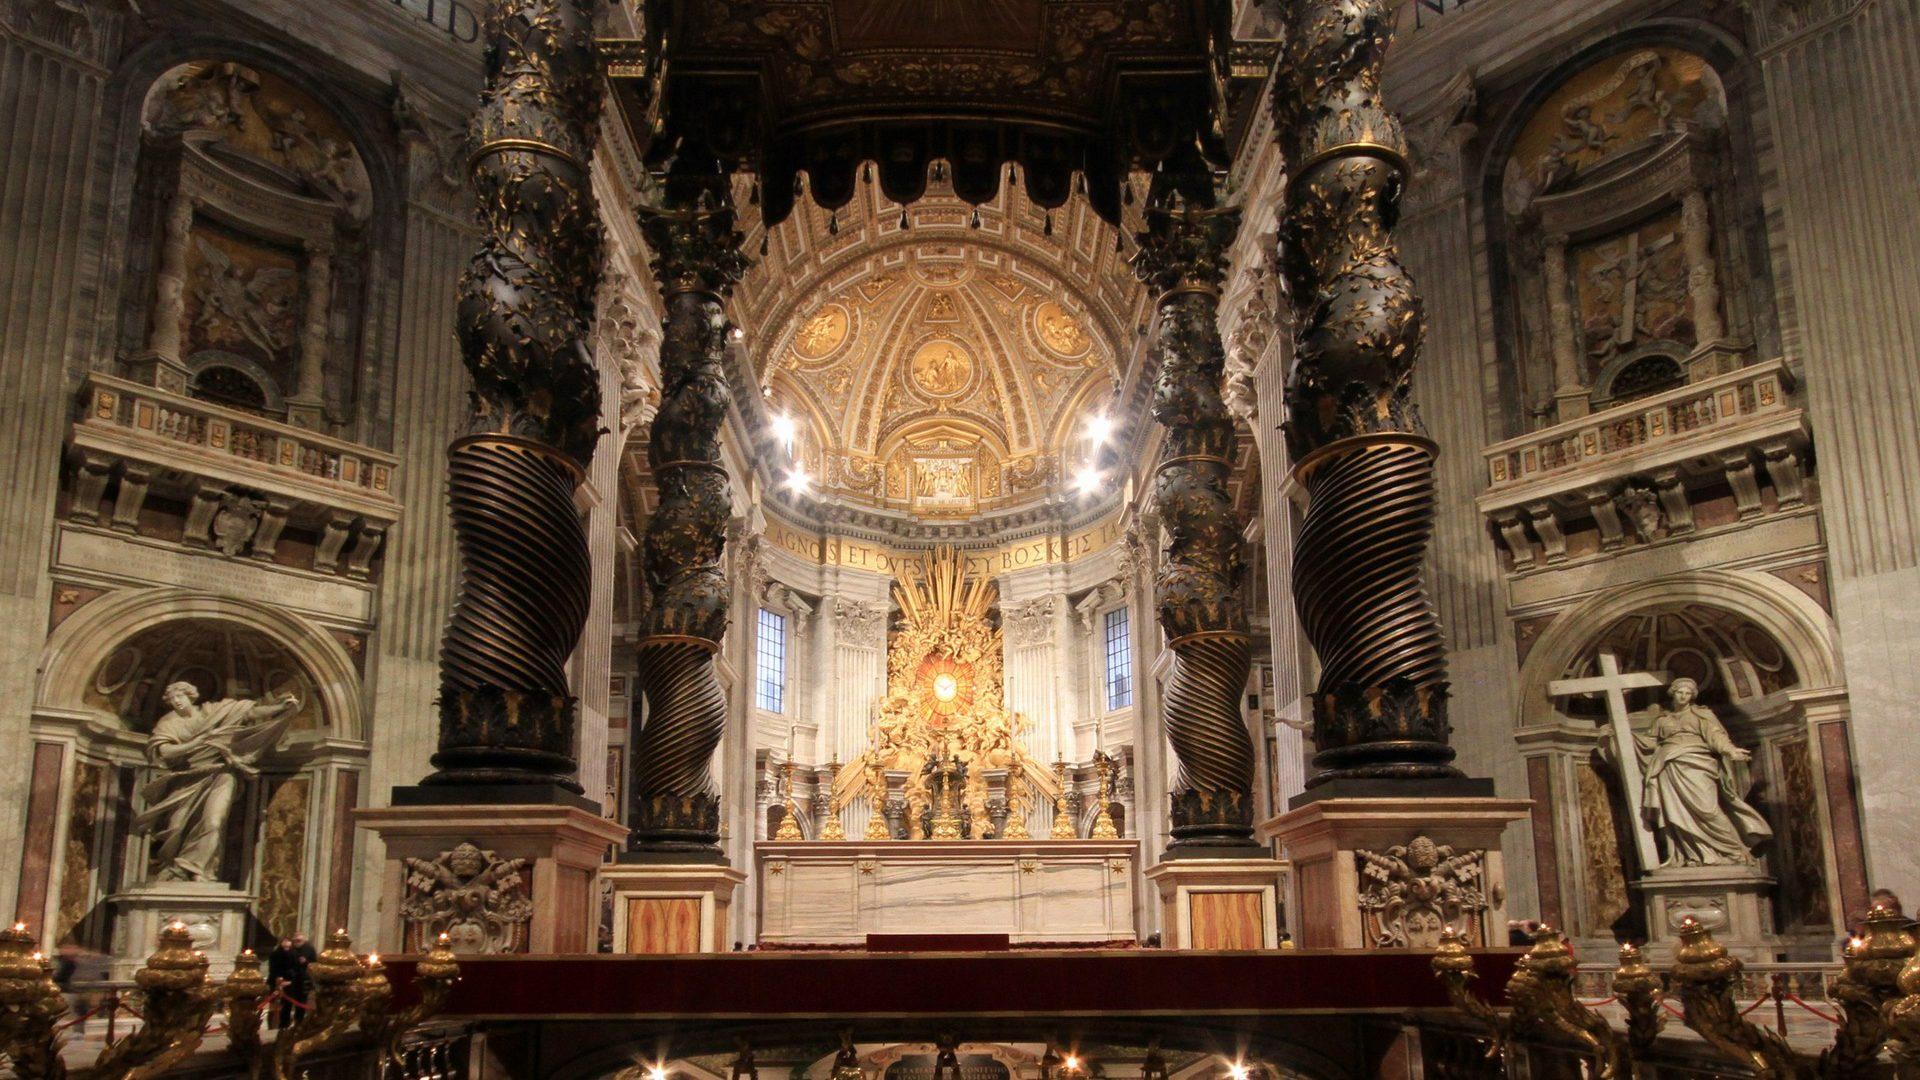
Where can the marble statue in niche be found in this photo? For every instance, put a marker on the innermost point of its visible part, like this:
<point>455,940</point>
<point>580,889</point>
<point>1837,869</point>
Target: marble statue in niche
<point>479,900</point>
<point>1696,780</point>
<point>202,751</point>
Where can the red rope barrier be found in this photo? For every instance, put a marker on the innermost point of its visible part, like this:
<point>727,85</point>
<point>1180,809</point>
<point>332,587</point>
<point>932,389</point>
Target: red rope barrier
<point>1602,1003</point>
<point>1796,999</point>
<point>1671,1009</point>
<point>281,995</point>
<point>81,1019</point>
<point>1764,998</point>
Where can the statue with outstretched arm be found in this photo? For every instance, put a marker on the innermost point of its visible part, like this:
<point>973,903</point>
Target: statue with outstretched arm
<point>201,752</point>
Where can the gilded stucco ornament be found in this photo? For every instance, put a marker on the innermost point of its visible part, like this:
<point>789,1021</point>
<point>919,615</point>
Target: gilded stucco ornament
<point>1184,257</point>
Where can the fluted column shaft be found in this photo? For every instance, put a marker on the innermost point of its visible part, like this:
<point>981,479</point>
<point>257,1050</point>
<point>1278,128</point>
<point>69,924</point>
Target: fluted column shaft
<point>675,812</point>
<point>507,716</point>
<point>1183,256</point>
<point>1353,431</point>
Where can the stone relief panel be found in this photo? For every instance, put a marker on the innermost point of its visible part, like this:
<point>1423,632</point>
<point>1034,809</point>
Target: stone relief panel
<point>1611,108</point>
<point>273,127</point>
<point>254,202</point>
<point>241,306</point>
<point>1410,893</point>
<point>1630,292</point>
<point>479,900</point>
<point>1618,265</point>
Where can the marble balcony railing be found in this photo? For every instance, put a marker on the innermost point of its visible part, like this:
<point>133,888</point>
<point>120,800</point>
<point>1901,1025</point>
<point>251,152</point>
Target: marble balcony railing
<point>1640,470</point>
<point>241,479</point>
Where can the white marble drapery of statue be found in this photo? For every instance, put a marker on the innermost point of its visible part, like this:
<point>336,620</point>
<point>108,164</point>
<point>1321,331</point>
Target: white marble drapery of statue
<point>1696,780</point>
<point>202,750</point>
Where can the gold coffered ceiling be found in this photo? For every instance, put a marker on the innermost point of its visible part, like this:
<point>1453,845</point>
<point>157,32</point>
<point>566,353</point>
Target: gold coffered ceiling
<point>942,370</point>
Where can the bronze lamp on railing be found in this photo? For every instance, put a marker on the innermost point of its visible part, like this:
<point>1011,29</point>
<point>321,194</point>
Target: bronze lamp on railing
<point>177,1001</point>
<point>1878,992</point>
<point>351,995</point>
<point>1543,1006</point>
<point>1638,987</point>
<point>30,1006</point>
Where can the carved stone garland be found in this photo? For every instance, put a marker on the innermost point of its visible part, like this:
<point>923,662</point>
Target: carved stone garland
<point>1183,257</point>
<point>525,315</point>
<point>1354,434</point>
<point>675,812</point>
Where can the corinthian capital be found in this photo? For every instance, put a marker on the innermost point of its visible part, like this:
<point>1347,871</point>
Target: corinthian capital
<point>695,250</point>
<point>1186,248</point>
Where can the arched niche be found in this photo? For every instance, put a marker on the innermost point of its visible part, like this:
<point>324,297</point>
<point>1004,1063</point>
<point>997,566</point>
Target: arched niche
<point>250,248</point>
<point>98,697</point>
<point>1760,649</point>
<point>1616,185</point>
<point>92,645</point>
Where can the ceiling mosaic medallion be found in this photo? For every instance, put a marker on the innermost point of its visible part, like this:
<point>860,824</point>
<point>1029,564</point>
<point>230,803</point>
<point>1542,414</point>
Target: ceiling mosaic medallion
<point>941,369</point>
<point>823,335</point>
<point>1060,332</point>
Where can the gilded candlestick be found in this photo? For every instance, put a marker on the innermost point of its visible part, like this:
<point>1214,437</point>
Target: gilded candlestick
<point>790,822</point>
<point>1062,818</point>
<point>1103,827</point>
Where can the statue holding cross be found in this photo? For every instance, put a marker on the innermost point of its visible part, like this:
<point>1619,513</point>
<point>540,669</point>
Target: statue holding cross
<point>1685,780</point>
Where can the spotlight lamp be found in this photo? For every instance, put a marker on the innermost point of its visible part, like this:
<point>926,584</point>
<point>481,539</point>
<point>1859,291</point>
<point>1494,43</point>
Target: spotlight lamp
<point>784,430</point>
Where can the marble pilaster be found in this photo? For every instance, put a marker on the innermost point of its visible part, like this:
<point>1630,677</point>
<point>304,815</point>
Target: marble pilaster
<point>420,571</point>
<point>1839,76</point>
<point>1437,236</point>
<point>54,66</point>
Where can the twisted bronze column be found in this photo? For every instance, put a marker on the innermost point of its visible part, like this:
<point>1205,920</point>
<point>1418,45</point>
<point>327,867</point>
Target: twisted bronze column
<point>1183,257</point>
<point>1356,439</point>
<point>675,813</point>
<point>526,307</point>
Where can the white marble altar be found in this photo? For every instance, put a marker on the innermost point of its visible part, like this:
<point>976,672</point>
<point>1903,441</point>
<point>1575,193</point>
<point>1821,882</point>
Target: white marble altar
<point>838,892</point>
